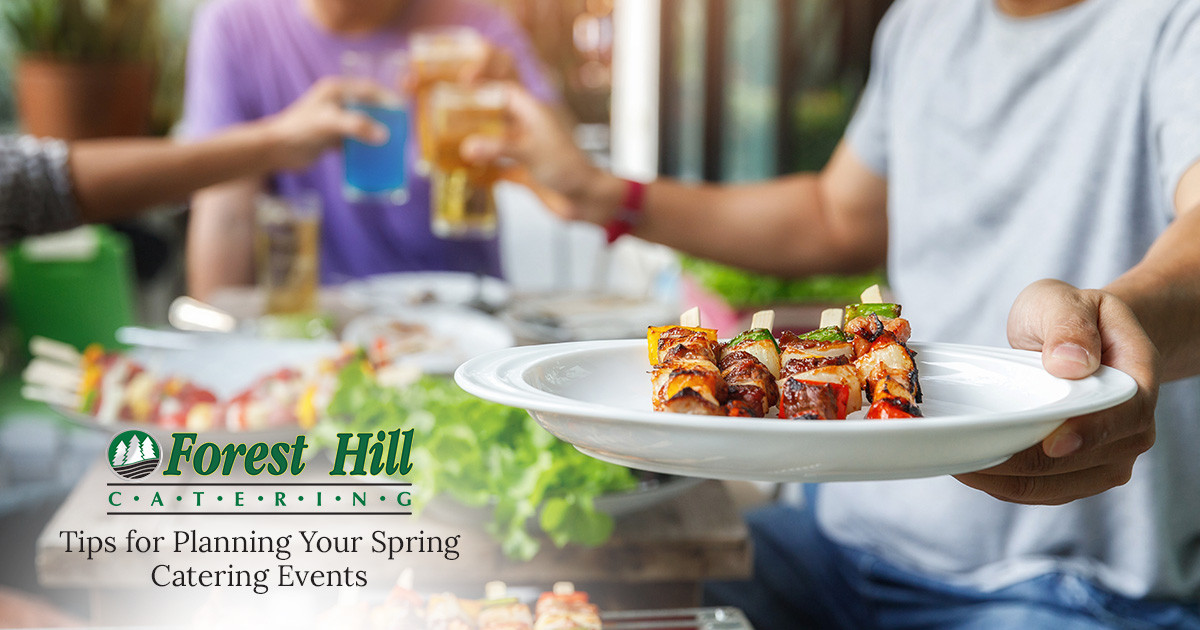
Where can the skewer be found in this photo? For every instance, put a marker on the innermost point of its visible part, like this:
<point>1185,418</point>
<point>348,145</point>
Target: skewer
<point>501,612</point>
<point>831,317</point>
<point>763,319</point>
<point>405,581</point>
<point>53,374</point>
<point>872,295</point>
<point>564,607</point>
<point>50,396</point>
<point>494,590</point>
<point>53,349</point>
<point>685,378</point>
<point>749,364</point>
<point>884,363</point>
<point>817,381</point>
<point>690,317</point>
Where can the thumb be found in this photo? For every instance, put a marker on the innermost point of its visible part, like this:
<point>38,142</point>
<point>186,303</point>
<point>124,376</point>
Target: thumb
<point>1072,358</point>
<point>1062,322</point>
<point>522,105</point>
<point>485,149</point>
<point>1071,348</point>
<point>361,127</point>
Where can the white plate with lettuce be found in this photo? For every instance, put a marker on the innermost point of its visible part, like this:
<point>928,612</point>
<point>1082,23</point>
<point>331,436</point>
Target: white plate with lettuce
<point>981,406</point>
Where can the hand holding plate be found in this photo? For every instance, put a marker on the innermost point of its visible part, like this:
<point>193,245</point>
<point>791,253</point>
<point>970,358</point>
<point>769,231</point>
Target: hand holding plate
<point>1077,331</point>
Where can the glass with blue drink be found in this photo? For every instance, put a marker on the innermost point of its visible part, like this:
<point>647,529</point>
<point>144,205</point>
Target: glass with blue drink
<point>378,171</point>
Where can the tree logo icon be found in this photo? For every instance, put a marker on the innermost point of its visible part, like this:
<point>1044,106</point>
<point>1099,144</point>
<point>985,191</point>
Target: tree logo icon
<point>133,454</point>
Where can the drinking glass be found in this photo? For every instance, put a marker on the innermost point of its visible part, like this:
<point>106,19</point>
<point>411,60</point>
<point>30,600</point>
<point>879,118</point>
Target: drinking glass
<point>287,252</point>
<point>378,171</point>
<point>463,204</point>
<point>438,56</point>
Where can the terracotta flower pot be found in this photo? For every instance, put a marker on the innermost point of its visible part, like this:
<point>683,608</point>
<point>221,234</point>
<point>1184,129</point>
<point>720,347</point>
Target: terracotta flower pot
<point>83,100</point>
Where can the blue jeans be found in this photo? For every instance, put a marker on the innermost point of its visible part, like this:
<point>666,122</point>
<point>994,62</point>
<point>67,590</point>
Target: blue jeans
<point>804,580</point>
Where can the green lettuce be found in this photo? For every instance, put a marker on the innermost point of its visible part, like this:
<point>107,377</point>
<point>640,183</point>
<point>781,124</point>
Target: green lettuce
<point>484,454</point>
<point>745,289</point>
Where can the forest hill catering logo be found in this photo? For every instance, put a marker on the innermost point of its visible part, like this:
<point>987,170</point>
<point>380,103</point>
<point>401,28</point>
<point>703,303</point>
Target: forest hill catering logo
<point>134,454</point>
<point>236,467</point>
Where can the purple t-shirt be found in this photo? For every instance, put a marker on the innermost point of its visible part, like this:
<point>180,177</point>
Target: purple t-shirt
<point>252,58</point>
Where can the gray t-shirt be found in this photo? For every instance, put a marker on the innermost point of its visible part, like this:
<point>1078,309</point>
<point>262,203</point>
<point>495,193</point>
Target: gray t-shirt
<point>35,188</point>
<point>1020,149</point>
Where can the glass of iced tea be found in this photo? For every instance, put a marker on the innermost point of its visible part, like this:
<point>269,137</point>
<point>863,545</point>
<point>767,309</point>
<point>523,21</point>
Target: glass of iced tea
<point>287,252</point>
<point>462,202</point>
<point>438,56</point>
<point>378,171</point>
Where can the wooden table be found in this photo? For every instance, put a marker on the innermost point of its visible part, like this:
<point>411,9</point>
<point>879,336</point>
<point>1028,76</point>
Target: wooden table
<point>656,558</point>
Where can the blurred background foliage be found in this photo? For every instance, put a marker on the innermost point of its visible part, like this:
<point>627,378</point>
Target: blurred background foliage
<point>85,30</point>
<point>743,289</point>
<point>99,30</point>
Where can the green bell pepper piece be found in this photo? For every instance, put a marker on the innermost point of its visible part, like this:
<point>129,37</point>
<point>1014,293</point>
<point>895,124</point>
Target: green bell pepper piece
<point>884,311</point>
<point>756,334</point>
<point>830,333</point>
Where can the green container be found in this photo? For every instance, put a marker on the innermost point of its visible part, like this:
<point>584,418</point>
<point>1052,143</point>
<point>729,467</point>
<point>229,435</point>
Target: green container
<point>76,287</point>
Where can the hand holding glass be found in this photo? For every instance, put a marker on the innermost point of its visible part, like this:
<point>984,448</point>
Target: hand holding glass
<point>378,171</point>
<point>439,56</point>
<point>463,205</point>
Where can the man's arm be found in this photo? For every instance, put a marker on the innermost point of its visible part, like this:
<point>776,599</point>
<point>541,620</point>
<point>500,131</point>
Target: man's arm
<point>1164,288</point>
<point>831,221</point>
<point>835,220</point>
<point>220,247</point>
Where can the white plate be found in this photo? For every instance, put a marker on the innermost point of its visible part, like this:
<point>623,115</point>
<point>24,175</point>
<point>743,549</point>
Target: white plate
<point>585,316</point>
<point>389,290</point>
<point>456,334</point>
<point>228,364</point>
<point>225,365</point>
<point>981,406</point>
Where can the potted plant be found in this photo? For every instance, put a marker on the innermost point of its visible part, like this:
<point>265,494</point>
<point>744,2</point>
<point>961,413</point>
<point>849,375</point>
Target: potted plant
<point>85,68</point>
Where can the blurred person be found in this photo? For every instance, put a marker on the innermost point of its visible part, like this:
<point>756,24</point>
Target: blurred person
<point>47,185</point>
<point>1027,171</point>
<point>249,58</point>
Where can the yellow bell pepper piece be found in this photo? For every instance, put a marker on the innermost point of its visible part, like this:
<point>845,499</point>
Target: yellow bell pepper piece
<point>654,332</point>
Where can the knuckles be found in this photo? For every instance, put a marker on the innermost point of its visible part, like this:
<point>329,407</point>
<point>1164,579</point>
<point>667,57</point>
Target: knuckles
<point>1034,462</point>
<point>1024,490</point>
<point>1046,491</point>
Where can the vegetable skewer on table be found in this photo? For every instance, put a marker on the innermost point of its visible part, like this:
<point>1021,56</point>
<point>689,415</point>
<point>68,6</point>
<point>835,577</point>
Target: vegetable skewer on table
<point>564,608</point>
<point>750,366</point>
<point>818,380</point>
<point>116,388</point>
<point>447,612</point>
<point>501,612</point>
<point>112,387</point>
<point>884,364</point>
<point>403,609</point>
<point>685,377</point>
